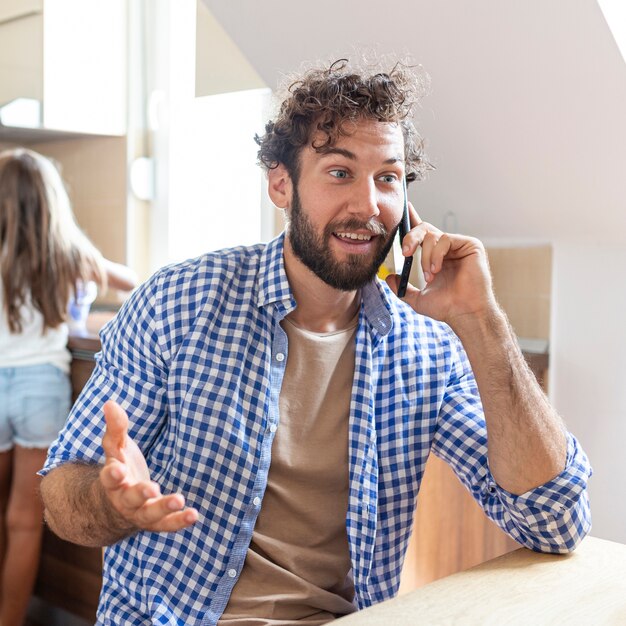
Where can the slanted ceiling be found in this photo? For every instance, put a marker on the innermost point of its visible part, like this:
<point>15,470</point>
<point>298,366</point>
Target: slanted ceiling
<point>526,120</point>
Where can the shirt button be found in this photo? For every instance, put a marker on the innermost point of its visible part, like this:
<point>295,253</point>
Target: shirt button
<point>280,356</point>
<point>232,573</point>
<point>273,428</point>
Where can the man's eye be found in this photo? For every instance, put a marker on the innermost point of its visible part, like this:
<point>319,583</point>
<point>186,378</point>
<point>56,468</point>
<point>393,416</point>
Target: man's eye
<point>339,173</point>
<point>389,178</point>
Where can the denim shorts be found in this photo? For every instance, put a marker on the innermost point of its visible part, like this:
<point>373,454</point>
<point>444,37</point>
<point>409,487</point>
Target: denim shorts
<point>34,403</point>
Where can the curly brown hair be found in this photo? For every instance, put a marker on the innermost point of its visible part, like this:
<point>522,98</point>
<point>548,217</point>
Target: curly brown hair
<point>329,99</point>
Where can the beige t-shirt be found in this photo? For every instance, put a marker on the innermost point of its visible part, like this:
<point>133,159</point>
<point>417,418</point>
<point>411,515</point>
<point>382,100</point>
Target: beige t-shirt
<point>298,566</point>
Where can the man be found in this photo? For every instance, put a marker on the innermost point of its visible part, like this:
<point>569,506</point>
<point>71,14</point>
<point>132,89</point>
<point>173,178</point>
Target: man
<point>285,401</point>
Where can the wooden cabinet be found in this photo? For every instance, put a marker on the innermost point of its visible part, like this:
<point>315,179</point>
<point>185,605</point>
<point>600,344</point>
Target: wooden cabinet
<point>70,55</point>
<point>70,576</point>
<point>21,50</point>
<point>15,9</point>
<point>450,533</point>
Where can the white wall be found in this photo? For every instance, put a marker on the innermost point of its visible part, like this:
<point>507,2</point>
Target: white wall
<point>526,123</point>
<point>588,367</point>
<point>220,65</point>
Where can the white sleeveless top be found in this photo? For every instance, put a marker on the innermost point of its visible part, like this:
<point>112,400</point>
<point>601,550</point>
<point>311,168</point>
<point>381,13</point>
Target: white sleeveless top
<point>32,346</point>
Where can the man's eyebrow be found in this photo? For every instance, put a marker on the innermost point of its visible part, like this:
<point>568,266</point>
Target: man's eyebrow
<point>393,160</point>
<point>350,155</point>
<point>341,151</point>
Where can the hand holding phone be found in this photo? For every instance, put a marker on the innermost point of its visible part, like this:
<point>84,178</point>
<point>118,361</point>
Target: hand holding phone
<point>405,227</point>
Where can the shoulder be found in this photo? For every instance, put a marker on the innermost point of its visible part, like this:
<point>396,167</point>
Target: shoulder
<point>210,267</point>
<point>176,294</point>
<point>210,275</point>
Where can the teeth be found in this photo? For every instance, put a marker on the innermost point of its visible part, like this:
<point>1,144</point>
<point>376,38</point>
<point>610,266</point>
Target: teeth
<point>355,236</point>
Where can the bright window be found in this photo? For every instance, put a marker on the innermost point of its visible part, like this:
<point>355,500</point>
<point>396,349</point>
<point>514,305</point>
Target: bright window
<point>216,187</point>
<point>209,193</point>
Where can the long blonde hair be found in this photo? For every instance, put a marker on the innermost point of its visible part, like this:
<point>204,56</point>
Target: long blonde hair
<point>43,253</point>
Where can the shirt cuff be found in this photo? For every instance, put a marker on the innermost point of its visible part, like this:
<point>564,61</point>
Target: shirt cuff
<point>553,517</point>
<point>550,500</point>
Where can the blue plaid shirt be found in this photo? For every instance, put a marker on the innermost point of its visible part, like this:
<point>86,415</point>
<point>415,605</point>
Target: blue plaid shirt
<point>197,356</point>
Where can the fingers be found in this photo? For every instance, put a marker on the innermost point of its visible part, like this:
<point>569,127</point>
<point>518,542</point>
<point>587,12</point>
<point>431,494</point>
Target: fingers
<point>113,475</point>
<point>141,504</point>
<point>125,479</point>
<point>135,497</point>
<point>434,243</point>
<point>393,280</point>
<point>175,521</point>
<point>117,477</point>
<point>435,246</point>
<point>414,217</point>
<point>114,439</point>
<point>162,513</point>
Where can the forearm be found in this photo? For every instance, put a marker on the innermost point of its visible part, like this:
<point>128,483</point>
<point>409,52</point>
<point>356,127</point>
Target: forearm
<point>76,507</point>
<point>119,276</point>
<point>526,438</point>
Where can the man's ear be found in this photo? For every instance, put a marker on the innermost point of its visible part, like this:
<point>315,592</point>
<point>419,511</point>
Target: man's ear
<point>280,186</point>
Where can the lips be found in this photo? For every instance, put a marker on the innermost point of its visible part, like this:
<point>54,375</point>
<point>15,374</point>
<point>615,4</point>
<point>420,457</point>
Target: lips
<point>356,237</point>
<point>355,243</point>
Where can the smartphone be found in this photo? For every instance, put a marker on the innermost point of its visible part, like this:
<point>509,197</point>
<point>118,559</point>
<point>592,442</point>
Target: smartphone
<point>405,227</point>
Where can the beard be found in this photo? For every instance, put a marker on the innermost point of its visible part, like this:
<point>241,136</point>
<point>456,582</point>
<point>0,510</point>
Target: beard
<point>314,250</point>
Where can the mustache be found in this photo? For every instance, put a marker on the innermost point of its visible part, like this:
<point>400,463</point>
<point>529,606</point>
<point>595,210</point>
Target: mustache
<point>373,226</point>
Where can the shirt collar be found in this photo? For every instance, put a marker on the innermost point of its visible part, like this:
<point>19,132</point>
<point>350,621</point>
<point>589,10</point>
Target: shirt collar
<point>377,306</point>
<point>273,284</point>
<point>274,288</point>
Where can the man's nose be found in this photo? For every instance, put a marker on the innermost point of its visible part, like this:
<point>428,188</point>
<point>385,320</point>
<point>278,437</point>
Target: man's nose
<point>364,200</point>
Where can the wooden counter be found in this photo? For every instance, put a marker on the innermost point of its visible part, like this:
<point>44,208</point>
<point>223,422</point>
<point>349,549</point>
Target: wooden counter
<point>522,587</point>
<point>83,346</point>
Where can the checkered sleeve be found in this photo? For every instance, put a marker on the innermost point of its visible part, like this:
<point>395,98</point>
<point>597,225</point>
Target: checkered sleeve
<point>553,517</point>
<point>130,370</point>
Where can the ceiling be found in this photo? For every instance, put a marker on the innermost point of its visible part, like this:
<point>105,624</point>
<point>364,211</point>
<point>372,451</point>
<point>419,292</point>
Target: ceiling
<point>526,119</point>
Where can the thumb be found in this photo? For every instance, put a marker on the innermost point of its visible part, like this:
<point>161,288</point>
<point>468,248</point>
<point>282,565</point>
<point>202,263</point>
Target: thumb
<point>115,436</point>
<point>393,280</point>
<point>412,296</point>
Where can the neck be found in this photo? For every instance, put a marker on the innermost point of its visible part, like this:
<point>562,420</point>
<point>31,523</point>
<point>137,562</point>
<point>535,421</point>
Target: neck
<point>320,307</point>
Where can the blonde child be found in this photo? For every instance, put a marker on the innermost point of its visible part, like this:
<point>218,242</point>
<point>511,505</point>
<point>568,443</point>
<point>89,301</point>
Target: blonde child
<point>43,256</point>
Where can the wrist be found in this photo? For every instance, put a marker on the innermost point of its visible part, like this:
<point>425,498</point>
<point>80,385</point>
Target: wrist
<point>488,323</point>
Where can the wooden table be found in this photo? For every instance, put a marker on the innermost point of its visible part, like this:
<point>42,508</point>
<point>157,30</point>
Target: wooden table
<point>587,587</point>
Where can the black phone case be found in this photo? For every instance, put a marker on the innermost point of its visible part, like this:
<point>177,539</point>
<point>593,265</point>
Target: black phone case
<point>405,227</point>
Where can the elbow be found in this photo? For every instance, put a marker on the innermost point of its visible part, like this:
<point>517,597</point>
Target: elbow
<point>50,513</point>
<point>71,510</point>
<point>566,534</point>
<point>48,518</point>
<point>559,531</point>
<point>58,512</point>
